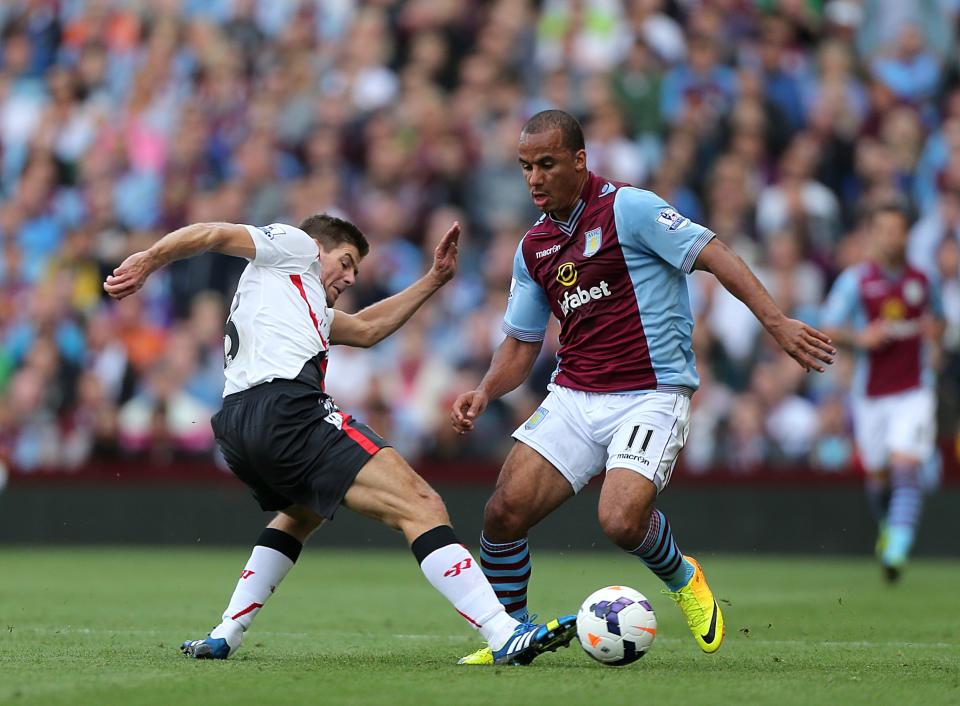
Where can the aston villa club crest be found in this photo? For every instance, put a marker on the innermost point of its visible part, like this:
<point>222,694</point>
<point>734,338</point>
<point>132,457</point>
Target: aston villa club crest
<point>913,292</point>
<point>592,240</point>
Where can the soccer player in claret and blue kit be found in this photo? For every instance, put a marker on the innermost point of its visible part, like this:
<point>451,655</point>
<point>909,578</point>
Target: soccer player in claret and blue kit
<point>888,313</point>
<point>287,439</point>
<point>610,262</point>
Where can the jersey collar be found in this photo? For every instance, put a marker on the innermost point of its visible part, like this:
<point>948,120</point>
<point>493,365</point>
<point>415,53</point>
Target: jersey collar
<point>570,225</point>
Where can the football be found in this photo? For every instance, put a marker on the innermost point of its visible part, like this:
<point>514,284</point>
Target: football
<point>616,625</point>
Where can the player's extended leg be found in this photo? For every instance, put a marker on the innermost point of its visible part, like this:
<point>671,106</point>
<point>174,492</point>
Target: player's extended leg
<point>528,489</point>
<point>274,554</point>
<point>628,518</point>
<point>906,503</point>
<point>388,490</point>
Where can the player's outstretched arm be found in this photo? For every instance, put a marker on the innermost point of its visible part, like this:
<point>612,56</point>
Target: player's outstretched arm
<point>806,345</point>
<point>510,366</point>
<point>374,323</point>
<point>184,242</point>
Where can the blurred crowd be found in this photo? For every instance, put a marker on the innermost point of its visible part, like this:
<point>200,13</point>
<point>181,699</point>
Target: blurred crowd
<point>773,122</point>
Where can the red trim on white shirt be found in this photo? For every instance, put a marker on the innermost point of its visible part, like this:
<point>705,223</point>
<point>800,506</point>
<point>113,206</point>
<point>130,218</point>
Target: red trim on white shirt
<point>298,283</point>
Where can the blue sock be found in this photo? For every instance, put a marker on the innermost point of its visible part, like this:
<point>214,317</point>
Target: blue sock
<point>906,502</point>
<point>507,568</point>
<point>661,554</point>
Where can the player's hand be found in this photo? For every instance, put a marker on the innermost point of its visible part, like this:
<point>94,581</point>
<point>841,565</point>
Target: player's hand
<point>129,276</point>
<point>467,408</point>
<point>875,335</point>
<point>445,255</point>
<point>806,345</point>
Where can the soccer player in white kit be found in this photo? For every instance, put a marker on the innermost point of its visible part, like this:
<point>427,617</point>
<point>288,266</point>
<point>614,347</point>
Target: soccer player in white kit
<point>288,441</point>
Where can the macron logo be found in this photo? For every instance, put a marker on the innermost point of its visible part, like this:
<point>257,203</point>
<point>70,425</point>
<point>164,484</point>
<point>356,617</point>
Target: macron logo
<point>579,296</point>
<point>548,251</point>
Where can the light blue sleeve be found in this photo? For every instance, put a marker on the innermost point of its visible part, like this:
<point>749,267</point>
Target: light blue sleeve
<point>527,309</point>
<point>936,299</point>
<point>843,307</point>
<point>645,219</point>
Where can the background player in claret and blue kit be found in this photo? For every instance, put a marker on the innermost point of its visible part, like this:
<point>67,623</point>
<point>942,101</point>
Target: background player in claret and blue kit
<point>888,313</point>
<point>609,261</point>
<point>288,441</point>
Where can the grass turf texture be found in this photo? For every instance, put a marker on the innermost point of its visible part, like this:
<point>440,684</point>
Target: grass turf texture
<point>102,626</point>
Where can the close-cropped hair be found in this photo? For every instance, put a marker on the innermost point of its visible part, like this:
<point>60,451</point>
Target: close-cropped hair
<point>331,232</point>
<point>569,127</point>
<point>892,206</point>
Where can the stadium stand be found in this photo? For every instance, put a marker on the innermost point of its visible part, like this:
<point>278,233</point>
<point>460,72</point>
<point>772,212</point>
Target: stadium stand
<point>120,121</point>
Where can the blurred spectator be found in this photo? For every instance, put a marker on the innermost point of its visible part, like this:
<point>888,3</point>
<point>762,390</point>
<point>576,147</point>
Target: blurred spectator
<point>832,448</point>
<point>790,421</point>
<point>657,30</point>
<point>636,88</point>
<point>163,422</point>
<point>743,445</point>
<point>948,387</point>
<point>700,89</point>
<point>935,228</point>
<point>797,201</point>
<point>881,22</point>
<point>589,36</point>
<point>909,69</point>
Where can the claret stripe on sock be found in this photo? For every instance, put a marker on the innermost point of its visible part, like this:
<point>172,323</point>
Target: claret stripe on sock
<point>507,567</point>
<point>660,552</point>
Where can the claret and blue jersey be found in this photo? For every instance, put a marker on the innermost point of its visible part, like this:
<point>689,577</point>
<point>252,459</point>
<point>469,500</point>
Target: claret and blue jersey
<point>614,275</point>
<point>865,293</point>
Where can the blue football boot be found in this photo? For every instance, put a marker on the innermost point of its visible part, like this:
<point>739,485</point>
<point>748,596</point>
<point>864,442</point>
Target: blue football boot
<point>215,647</point>
<point>530,640</point>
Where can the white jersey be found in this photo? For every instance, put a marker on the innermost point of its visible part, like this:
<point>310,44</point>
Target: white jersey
<point>279,318</point>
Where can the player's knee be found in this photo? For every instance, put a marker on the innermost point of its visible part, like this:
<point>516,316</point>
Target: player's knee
<point>432,508</point>
<point>504,518</point>
<point>421,505</point>
<point>626,530</point>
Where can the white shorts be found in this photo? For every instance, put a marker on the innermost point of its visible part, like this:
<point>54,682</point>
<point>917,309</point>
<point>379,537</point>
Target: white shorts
<point>903,423</point>
<point>583,433</point>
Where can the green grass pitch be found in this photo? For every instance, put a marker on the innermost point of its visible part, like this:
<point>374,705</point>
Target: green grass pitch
<point>102,626</point>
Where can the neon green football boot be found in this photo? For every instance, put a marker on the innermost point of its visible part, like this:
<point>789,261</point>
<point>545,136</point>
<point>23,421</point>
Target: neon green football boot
<point>701,610</point>
<point>483,657</point>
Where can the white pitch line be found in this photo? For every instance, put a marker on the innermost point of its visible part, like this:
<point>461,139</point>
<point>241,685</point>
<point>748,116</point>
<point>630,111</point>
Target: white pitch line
<point>835,643</point>
<point>855,644</point>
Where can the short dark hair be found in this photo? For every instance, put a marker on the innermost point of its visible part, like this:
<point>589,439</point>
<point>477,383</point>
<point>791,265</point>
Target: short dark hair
<point>893,206</point>
<point>331,231</point>
<point>569,127</point>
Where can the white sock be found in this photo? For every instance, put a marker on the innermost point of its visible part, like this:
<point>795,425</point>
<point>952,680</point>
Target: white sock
<point>264,571</point>
<point>457,575</point>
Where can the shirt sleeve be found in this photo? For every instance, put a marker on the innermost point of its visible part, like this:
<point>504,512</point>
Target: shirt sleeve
<point>843,302</point>
<point>282,247</point>
<point>934,287</point>
<point>649,222</point>
<point>527,312</point>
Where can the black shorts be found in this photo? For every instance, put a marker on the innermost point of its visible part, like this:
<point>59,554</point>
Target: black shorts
<point>291,445</point>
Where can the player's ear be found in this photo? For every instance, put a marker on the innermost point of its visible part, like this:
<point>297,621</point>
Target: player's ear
<point>580,160</point>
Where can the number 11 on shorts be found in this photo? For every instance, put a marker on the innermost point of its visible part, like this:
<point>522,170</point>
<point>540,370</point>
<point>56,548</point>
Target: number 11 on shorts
<point>647,433</point>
